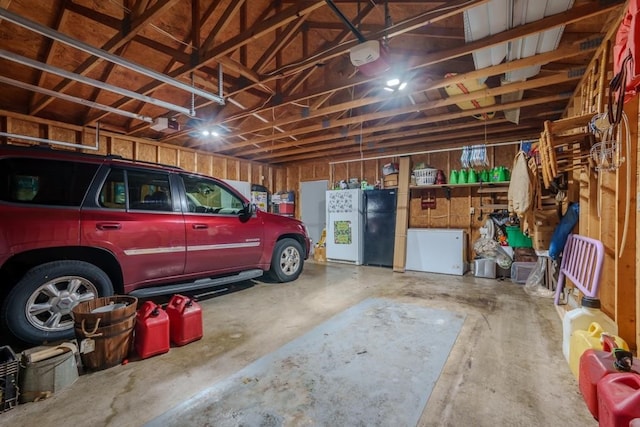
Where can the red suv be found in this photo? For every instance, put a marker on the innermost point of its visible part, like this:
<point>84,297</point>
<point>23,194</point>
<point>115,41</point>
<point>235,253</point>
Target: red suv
<point>75,226</point>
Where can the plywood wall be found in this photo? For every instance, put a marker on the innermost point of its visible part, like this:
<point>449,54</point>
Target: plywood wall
<point>608,212</point>
<point>137,149</point>
<point>453,210</point>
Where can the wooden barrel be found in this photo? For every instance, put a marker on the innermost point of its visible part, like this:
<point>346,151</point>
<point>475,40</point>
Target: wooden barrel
<point>102,347</point>
<point>109,310</point>
<point>104,329</point>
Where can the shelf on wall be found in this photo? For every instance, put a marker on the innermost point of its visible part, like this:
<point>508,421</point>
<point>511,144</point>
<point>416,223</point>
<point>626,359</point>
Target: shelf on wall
<point>502,184</point>
<point>495,206</point>
<point>483,187</point>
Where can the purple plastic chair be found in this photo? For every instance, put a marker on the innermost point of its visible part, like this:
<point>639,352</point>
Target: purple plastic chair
<point>582,259</point>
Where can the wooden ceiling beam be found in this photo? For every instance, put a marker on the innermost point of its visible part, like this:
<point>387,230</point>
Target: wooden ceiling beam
<point>48,47</point>
<point>337,124</point>
<point>231,45</point>
<point>575,14</point>
<point>414,146</point>
<point>426,32</point>
<point>375,142</point>
<point>456,7</point>
<point>118,40</point>
<point>139,7</point>
<point>225,20</point>
<point>372,133</point>
<point>259,30</point>
<point>93,15</point>
<point>399,128</point>
<point>501,90</point>
<point>577,48</point>
<point>175,55</point>
<point>281,41</point>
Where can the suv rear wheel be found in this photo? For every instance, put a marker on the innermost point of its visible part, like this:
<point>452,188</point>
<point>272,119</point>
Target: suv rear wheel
<point>38,308</point>
<point>287,260</point>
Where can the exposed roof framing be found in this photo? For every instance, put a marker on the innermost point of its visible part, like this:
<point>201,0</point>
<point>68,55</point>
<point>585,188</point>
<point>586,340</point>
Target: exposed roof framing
<point>290,92</point>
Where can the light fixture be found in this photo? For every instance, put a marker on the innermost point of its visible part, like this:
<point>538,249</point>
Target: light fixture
<point>209,132</point>
<point>395,84</point>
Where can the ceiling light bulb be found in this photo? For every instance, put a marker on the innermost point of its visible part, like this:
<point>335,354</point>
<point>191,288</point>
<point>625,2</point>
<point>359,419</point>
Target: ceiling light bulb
<point>393,82</point>
<point>402,85</point>
<point>214,133</point>
<point>205,133</point>
<point>388,89</point>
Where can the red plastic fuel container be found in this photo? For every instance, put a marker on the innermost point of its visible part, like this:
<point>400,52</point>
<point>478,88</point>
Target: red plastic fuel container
<point>152,330</point>
<point>185,317</point>
<point>618,399</point>
<point>594,365</point>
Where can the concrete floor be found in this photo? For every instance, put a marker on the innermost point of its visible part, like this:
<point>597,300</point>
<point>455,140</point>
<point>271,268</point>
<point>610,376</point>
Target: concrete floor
<point>506,368</point>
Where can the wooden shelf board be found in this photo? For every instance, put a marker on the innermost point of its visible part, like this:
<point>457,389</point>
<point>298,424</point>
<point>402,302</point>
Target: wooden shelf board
<point>495,206</point>
<point>493,190</point>
<point>501,185</point>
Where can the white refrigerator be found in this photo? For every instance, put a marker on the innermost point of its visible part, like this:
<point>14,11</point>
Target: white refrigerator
<point>437,250</point>
<point>344,226</point>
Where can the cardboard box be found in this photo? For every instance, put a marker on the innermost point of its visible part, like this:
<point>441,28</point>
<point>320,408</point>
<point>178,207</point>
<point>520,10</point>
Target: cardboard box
<point>391,180</point>
<point>541,237</point>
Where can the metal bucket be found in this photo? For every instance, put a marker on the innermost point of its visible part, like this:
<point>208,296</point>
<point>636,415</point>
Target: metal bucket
<point>40,379</point>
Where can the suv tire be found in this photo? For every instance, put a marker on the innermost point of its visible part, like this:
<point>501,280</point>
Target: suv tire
<point>38,308</point>
<point>287,260</point>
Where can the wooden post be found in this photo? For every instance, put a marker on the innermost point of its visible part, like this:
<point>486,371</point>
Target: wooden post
<point>402,216</point>
<point>626,275</point>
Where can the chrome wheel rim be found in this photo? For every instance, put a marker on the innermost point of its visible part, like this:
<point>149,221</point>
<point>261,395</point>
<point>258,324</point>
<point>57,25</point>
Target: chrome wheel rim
<point>290,261</point>
<point>49,307</point>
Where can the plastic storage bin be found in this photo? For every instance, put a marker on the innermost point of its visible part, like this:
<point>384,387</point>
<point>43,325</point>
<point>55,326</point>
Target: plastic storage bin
<point>485,267</point>
<point>517,239</point>
<point>425,176</point>
<point>520,271</point>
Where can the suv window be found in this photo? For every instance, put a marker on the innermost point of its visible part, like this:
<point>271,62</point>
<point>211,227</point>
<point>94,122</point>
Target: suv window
<point>44,182</point>
<point>145,190</point>
<point>207,196</point>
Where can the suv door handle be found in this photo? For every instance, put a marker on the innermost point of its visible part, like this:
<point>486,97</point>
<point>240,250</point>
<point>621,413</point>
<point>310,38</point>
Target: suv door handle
<point>199,226</point>
<point>108,226</point>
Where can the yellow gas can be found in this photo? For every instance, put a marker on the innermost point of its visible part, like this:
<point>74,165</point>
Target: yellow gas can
<point>594,338</point>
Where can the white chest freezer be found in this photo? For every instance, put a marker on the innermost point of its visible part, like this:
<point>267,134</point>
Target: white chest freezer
<point>437,250</point>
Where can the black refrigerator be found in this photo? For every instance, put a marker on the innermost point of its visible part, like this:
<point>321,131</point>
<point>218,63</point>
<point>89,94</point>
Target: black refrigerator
<point>379,227</point>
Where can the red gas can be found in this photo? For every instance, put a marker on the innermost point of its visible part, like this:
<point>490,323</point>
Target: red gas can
<point>152,330</point>
<point>619,399</point>
<point>185,317</point>
<point>594,365</point>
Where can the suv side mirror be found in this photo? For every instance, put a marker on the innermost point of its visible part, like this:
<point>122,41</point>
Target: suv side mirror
<point>248,209</point>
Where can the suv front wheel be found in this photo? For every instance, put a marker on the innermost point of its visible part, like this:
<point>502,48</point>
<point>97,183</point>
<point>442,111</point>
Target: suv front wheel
<point>287,260</point>
<point>38,308</point>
